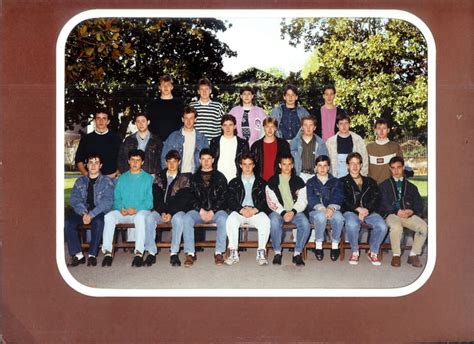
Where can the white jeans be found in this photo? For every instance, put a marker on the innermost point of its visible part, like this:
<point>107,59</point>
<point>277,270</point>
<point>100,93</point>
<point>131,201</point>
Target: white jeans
<point>113,218</point>
<point>259,221</point>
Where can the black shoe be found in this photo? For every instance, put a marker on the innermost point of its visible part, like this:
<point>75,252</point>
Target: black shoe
<point>319,253</point>
<point>277,259</point>
<point>298,260</point>
<point>334,254</point>
<point>150,260</point>
<point>107,261</point>
<point>174,260</point>
<point>137,261</point>
<point>76,261</point>
<point>91,261</point>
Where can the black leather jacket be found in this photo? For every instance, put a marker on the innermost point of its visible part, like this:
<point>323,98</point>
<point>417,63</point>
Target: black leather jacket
<point>257,149</point>
<point>179,195</point>
<point>367,198</point>
<point>153,150</point>
<point>213,197</point>
<point>236,194</point>
<point>242,146</point>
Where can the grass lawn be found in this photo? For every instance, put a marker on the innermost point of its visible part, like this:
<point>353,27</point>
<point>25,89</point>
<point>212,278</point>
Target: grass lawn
<point>68,184</point>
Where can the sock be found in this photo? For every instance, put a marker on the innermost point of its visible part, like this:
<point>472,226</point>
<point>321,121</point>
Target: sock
<point>335,245</point>
<point>217,253</point>
<point>412,254</point>
<point>319,245</point>
<point>79,255</point>
<point>356,253</point>
<point>91,256</point>
<point>278,252</point>
<point>296,253</point>
<point>396,255</point>
<point>173,254</point>
<point>190,254</point>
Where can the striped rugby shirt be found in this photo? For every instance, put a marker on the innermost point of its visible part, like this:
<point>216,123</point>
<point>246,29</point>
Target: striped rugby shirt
<point>208,121</point>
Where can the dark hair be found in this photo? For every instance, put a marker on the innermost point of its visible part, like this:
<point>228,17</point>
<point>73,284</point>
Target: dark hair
<point>166,78</point>
<point>102,110</point>
<point>140,114</point>
<point>286,156</point>
<point>247,155</point>
<point>396,159</point>
<point>308,118</point>
<point>381,121</point>
<point>173,154</point>
<point>93,155</point>
<point>136,152</point>
<point>204,81</point>
<point>189,109</point>
<point>289,87</point>
<point>322,158</point>
<point>342,117</point>
<point>270,120</point>
<point>228,117</point>
<point>206,151</point>
<point>353,155</point>
<point>329,87</point>
<point>244,89</point>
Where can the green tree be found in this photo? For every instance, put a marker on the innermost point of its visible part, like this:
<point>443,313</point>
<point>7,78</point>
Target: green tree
<point>379,67</point>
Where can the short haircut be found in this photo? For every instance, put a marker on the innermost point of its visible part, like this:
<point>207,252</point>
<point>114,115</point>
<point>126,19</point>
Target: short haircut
<point>204,81</point>
<point>166,78</point>
<point>173,154</point>
<point>329,87</point>
<point>102,110</point>
<point>380,121</point>
<point>289,87</point>
<point>342,117</point>
<point>247,155</point>
<point>396,159</point>
<point>189,109</point>
<point>308,118</point>
<point>142,114</point>
<point>322,158</point>
<point>228,117</point>
<point>93,155</point>
<point>206,151</point>
<point>271,120</point>
<point>246,88</point>
<point>286,156</point>
<point>353,155</point>
<point>136,152</point>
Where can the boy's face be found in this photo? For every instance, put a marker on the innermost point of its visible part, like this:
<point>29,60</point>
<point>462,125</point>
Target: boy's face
<point>381,131</point>
<point>322,168</point>
<point>286,166</point>
<point>204,92</point>
<point>354,166</point>
<point>165,88</point>
<point>228,128</point>
<point>93,166</point>
<point>308,127</point>
<point>343,126</point>
<point>101,121</point>
<point>135,163</point>
<point>290,98</point>
<point>246,97</point>
<point>188,120</point>
<point>172,165</point>
<point>269,130</point>
<point>397,169</point>
<point>206,162</point>
<point>142,123</point>
<point>328,96</point>
<point>247,166</point>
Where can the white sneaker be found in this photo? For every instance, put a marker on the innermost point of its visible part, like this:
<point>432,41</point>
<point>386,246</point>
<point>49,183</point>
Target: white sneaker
<point>261,260</point>
<point>233,258</point>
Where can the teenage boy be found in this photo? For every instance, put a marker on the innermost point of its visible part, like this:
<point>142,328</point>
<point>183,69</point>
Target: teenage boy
<point>343,143</point>
<point>133,200</point>
<point>325,197</point>
<point>209,112</point>
<point>326,114</point>
<point>165,112</point>
<point>306,147</point>
<point>144,140</point>
<point>361,197</point>
<point>209,188</point>
<point>289,113</point>
<point>171,200</point>
<point>91,197</point>
<point>381,151</point>
<point>249,116</point>
<point>231,147</point>
<point>267,150</point>
<point>402,206</point>
<point>286,197</point>
<point>247,202</point>
<point>187,141</point>
<point>101,141</point>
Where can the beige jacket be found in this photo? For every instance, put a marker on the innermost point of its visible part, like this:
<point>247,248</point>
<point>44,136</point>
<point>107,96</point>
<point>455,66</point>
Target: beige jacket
<point>359,147</point>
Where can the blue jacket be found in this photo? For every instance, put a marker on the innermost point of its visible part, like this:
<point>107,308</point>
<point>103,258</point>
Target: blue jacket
<point>297,149</point>
<point>103,195</point>
<point>329,194</point>
<point>176,141</point>
<point>277,113</point>
<point>410,198</point>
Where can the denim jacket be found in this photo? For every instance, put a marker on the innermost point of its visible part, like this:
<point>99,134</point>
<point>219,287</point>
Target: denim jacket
<point>277,113</point>
<point>176,141</point>
<point>330,194</point>
<point>103,195</point>
<point>296,148</point>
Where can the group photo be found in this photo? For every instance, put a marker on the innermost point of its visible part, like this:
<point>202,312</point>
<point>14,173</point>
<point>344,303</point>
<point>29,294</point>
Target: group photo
<point>245,153</point>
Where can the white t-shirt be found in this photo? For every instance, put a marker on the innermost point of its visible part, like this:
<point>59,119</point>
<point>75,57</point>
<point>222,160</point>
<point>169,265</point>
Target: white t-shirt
<point>187,164</point>
<point>226,163</point>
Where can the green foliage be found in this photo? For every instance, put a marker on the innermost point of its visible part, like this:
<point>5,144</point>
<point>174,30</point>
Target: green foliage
<point>378,66</point>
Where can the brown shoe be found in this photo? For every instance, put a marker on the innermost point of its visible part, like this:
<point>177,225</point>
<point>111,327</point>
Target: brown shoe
<point>189,261</point>
<point>218,259</point>
<point>414,261</point>
<point>396,261</point>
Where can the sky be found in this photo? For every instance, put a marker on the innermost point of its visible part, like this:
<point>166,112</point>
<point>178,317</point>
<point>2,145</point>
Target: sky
<point>258,44</point>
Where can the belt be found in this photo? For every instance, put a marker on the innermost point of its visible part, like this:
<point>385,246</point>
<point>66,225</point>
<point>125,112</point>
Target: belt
<point>307,171</point>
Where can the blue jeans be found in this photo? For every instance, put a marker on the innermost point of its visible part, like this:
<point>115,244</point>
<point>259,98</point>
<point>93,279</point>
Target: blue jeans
<point>177,225</point>
<point>318,218</point>
<point>72,235</point>
<point>192,218</point>
<point>277,234</point>
<point>353,224</point>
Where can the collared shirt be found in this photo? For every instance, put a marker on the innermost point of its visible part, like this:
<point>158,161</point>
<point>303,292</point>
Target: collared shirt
<point>142,142</point>
<point>248,184</point>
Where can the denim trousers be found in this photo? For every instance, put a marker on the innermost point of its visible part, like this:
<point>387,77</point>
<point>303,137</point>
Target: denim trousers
<point>192,218</point>
<point>114,217</point>
<point>259,221</point>
<point>319,220</point>
<point>72,234</point>
<point>177,225</point>
<point>277,234</point>
<point>353,225</point>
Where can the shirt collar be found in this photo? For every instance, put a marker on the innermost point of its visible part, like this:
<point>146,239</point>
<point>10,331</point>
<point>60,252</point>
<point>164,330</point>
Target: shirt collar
<point>382,142</point>
<point>102,133</point>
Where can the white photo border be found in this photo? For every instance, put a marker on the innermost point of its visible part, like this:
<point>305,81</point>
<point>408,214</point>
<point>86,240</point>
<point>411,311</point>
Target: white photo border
<point>260,13</point>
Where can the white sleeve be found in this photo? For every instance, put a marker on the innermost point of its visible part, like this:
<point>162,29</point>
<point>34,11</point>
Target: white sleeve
<point>272,201</point>
<point>301,201</point>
